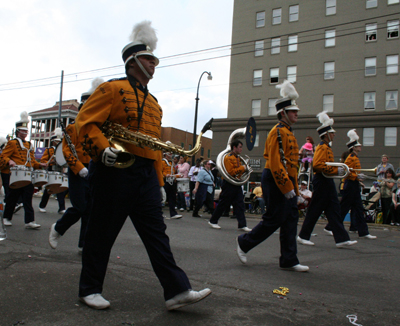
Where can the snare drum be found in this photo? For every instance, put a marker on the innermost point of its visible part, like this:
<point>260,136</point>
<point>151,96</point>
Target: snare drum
<point>64,184</point>
<point>20,176</point>
<point>183,184</point>
<point>39,178</point>
<point>54,182</point>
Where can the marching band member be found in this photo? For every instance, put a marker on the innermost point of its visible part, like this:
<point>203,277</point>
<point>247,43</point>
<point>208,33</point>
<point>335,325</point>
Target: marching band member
<point>231,194</point>
<point>169,172</point>
<point>49,159</point>
<point>78,183</point>
<point>351,193</point>
<point>325,198</point>
<point>279,186</point>
<point>18,151</point>
<point>133,191</point>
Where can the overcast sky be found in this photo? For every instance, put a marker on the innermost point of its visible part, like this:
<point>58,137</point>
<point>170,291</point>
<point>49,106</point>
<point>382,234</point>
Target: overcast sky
<point>84,38</point>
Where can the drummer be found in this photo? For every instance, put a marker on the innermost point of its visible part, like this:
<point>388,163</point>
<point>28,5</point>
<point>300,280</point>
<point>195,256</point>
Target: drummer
<point>19,152</point>
<point>49,160</point>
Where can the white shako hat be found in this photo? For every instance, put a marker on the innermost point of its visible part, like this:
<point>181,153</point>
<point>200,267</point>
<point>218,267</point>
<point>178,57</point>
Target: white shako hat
<point>95,83</point>
<point>143,42</point>
<point>326,122</point>
<point>57,134</point>
<point>3,141</point>
<point>23,123</point>
<point>353,139</point>
<point>289,97</point>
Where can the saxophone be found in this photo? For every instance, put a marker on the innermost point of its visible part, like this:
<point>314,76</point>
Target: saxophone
<point>117,136</point>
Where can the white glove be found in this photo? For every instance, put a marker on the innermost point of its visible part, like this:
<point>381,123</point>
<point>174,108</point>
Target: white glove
<point>290,194</point>
<point>340,170</point>
<point>361,176</point>
<point>84,172</point>
<point>110,156</point>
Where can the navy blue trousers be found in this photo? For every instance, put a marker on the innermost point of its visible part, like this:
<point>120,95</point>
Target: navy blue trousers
<point>60,198</point>
<point>170,191</point>
<point>281,213</point>
<point>26,193</point>
<point>117,194</point>
<point>324,199</point>
<point>79,194</point>
<point>203,197</point>
<point>351,200</point>
<point>230,195</point>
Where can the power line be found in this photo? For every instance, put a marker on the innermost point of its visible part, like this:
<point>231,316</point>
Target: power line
<point>197,52</point>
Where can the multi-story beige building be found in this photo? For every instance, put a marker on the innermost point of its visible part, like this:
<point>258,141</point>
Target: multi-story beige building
<point>342,56</point>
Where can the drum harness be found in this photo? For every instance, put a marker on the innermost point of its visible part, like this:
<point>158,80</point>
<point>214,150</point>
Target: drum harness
<point>28,150</point>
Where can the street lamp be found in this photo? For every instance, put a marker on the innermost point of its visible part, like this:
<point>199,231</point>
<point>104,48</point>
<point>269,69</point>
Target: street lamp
<point>209,77</point>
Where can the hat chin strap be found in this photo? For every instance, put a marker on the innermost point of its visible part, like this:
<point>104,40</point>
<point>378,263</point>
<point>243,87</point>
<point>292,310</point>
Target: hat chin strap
<point>142,68</point>
<point>287,118</point>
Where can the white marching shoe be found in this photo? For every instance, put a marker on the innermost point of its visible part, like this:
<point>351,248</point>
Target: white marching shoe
<point>214,226</point>
<point>186,298</point>
<point>368,236</point>
<point>32,225</point>
<point>328,232</point>
<point>304,242</point>
<point>296,268</point>
<point>53,237</point>
<point>95,301</point>
<point>7,222</point>
<point>345,243</point>
<point>240,253</point>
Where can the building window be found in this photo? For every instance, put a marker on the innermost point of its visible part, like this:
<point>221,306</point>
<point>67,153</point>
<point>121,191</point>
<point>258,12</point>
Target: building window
<point>276,16</point>
<point>327,103</point>
<point>369,101</point>
<point>329,70</point>
<point>202,151</point>
<point>275,45</point>
<point>392,64</point>
<point>292,43</point>
<point>392,29</point>
<point>257,140</point>
<point>371,4</point>
<point>371,32</point>
<point>390,136</point>
<point>392,2</point>
<point>190,146</point>
<point>260,19</point>
<point>255,108</point>
<point>257,77</point>
<point>271,106</point>
<point>209,152</point>
<point>182,145</point>
<point>368,136</point>
<point>292,73</point>
<point>330,7</point>
<point>293,13</point>
<point>330,38</point>
<point>274,75</point>
<point>259,48</point>
<point>392,100</point>
<point>370,66</point>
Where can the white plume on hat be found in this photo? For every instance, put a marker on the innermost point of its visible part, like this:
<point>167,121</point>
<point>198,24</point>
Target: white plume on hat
<point>288,90</point>
<point>144,33</point>
<point>24,117</point>
<point>3,140</point>
<point>352,135</point>
<point>324,119</point>
<point>95,83</point>
<point>58,133</point>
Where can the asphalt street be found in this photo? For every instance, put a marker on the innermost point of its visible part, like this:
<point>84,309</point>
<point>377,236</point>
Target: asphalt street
<point>39,285</point>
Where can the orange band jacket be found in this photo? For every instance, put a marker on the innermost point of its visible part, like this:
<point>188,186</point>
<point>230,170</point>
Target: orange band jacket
<point>13,151</point>
<point>323,154</point>
<point>75,164</point>
<point>291,154</point>
<point>116,101</point>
